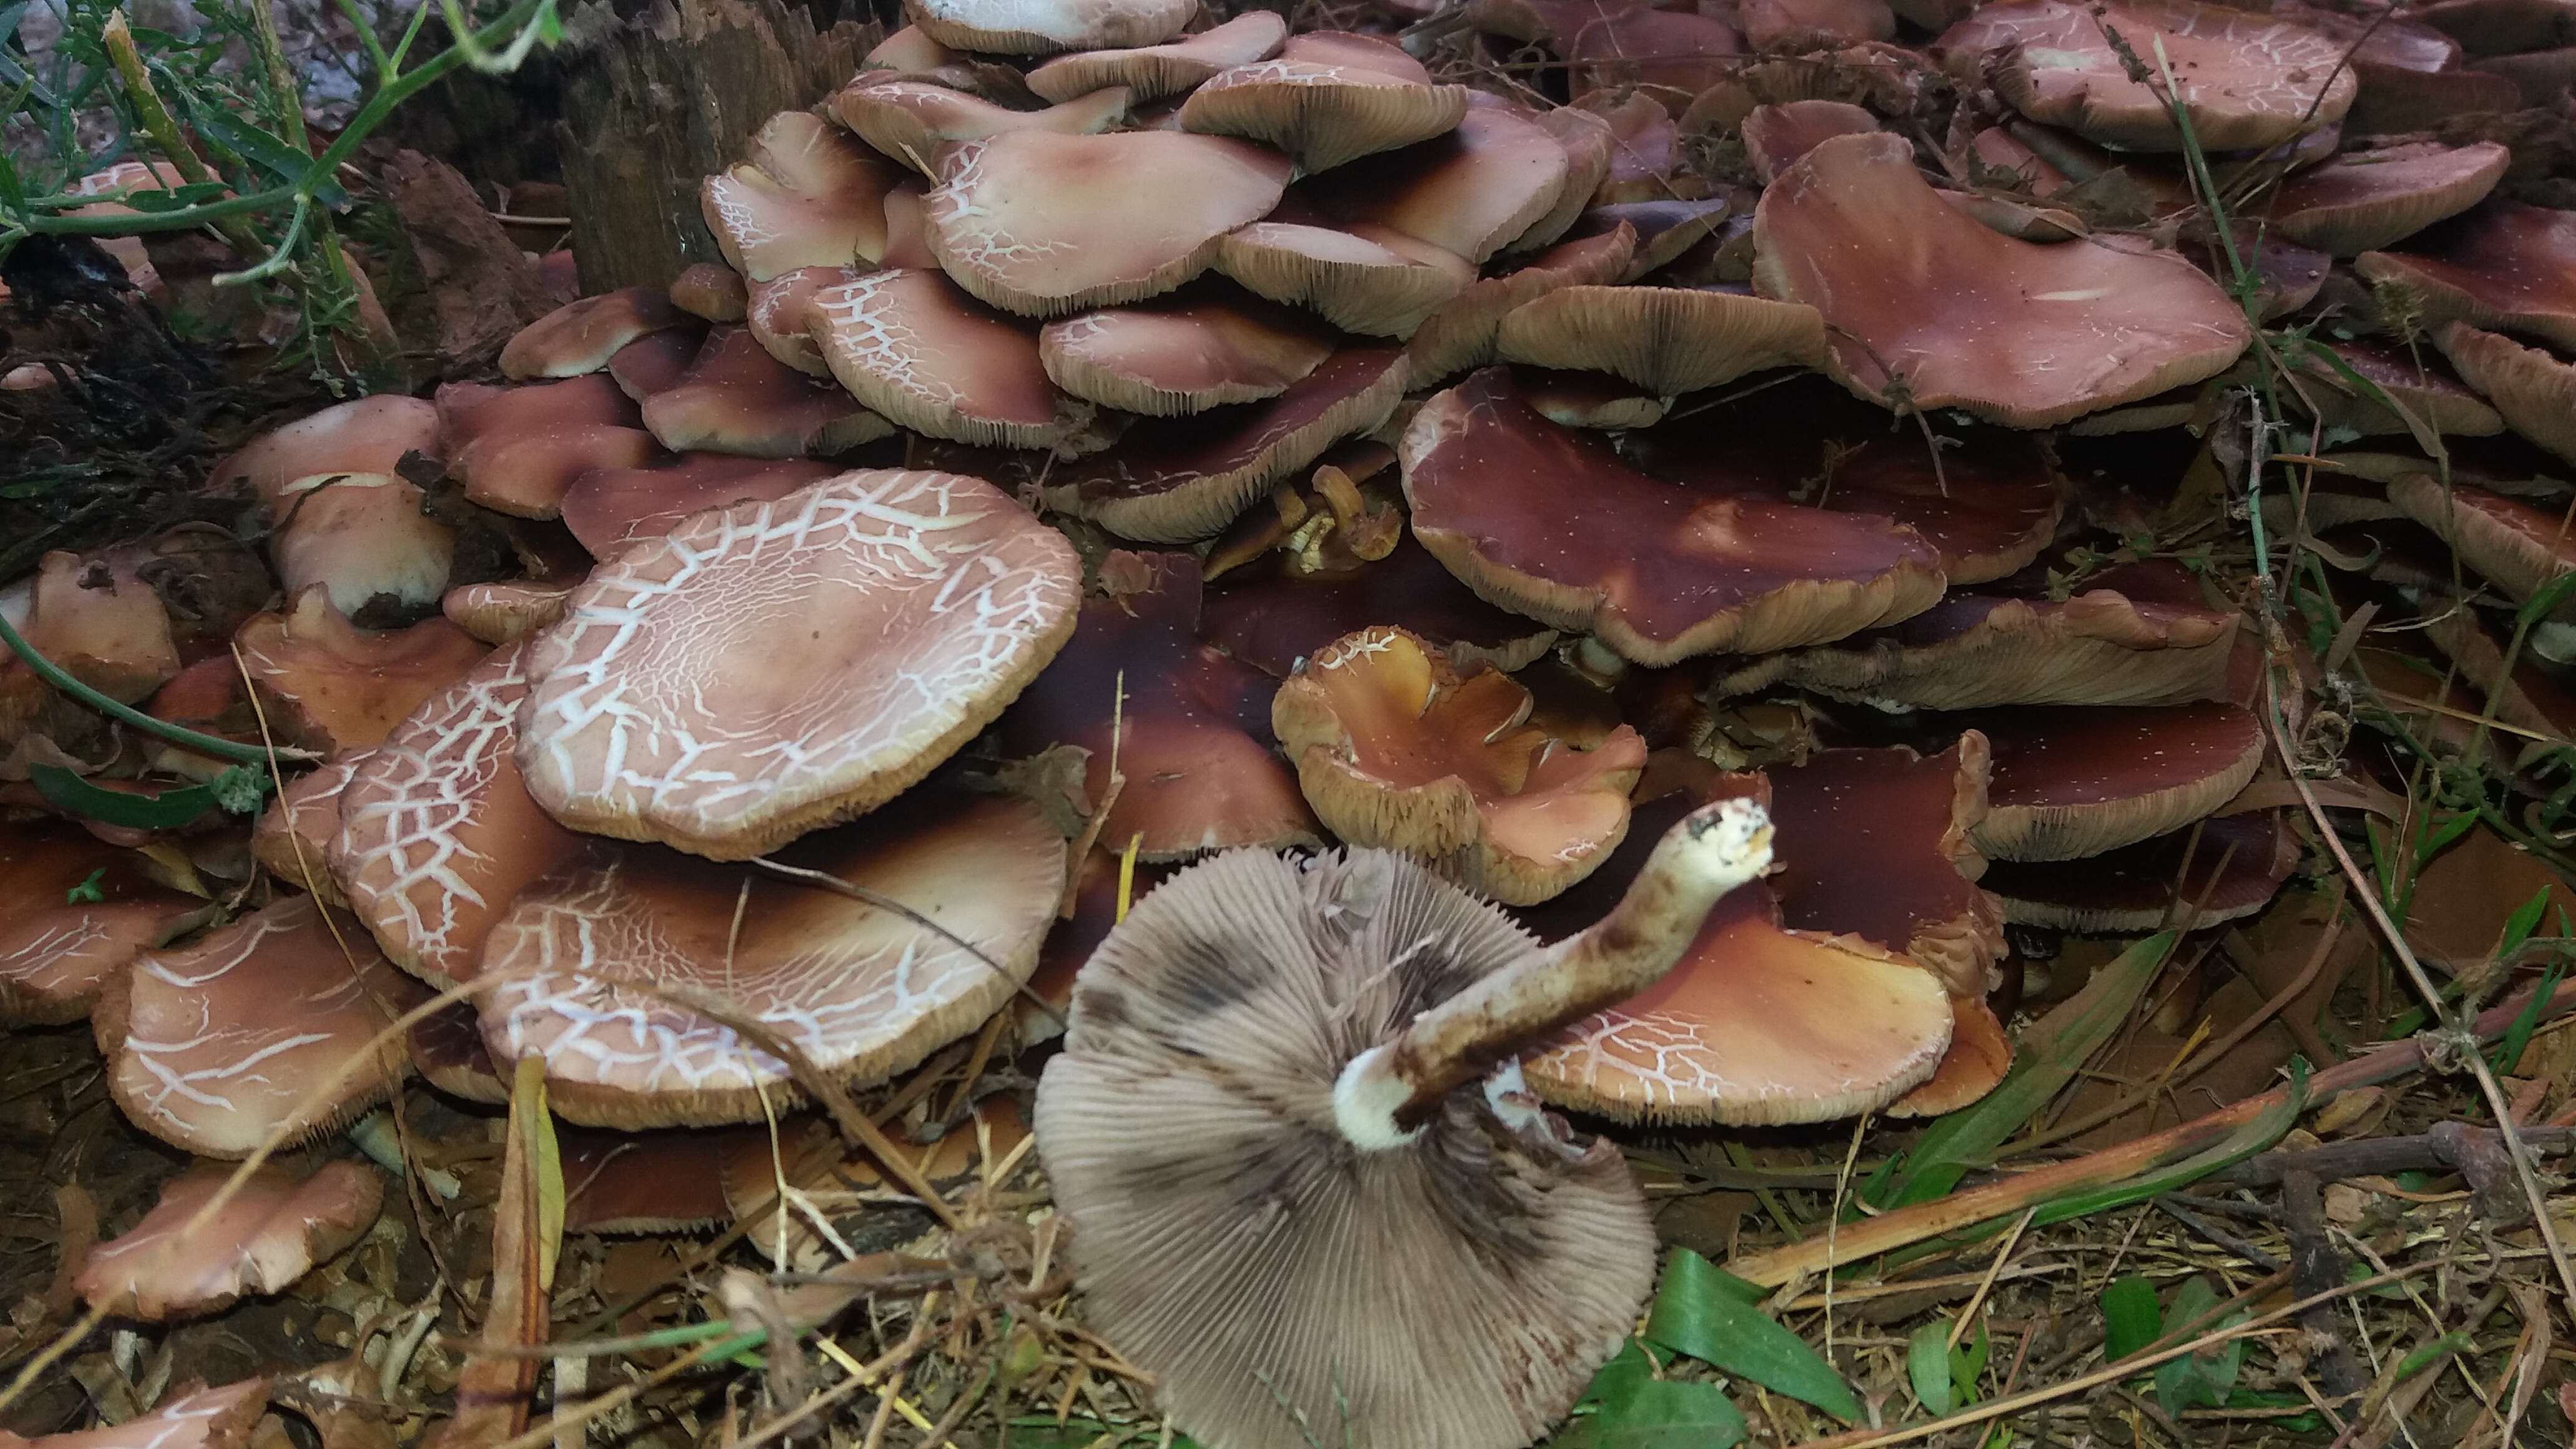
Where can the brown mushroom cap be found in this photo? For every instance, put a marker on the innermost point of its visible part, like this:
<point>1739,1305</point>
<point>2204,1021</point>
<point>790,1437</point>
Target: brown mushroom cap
<point>361,536</point>
<point>2364,200</point>
<point>610,508</point>
<point>2502,27</point>
<point>2502,265</point>
<point>1472,191</point>
<point>292,840</point>
<point>1175,480</point>
<point>2416,383</point>
<point>446,1048</point>
<point>1271,616</point>
<point>216,1047</point>
<point>98,620</point>
<point>191,1416</point>
<point>772,667</point>
<point>655,362</point>
<point>581,335</point>
<point>1776,136</point>
<point>2531,389</point>
<point>1150,73</point>
<point>780,314</point>
<point>1171,357</point>
<point>367,435</point>
<point>1659,572</point>
<point>710,291</point>
<point>1914,292</point>
<point>2237,864</point>
<point>329,685</point>
<point>56,953</point>
<point>2248,80</point>
<point>507,610</point>
<point>736,398</point>
<point>2077,781</point>
<point>2517,546</point>
<point>914,122</point>
<point>517,448</point>
<point>1667,340</point>
<point>1452,1293</point>
<point>1034,222</point>
<point>861,992</point>
<point>1461,333</point>
<point>1397,750</point>
<point>1356,283</point>
<point>1044,27</point>
<point>652,1182</point>
<point>1678,52</point>
<point>272,1231</point>
<point>1191,735</point>
<point>437,833</point>
<point>1979,1056</point>
<point>1327,98</point>
<point>808,196</point>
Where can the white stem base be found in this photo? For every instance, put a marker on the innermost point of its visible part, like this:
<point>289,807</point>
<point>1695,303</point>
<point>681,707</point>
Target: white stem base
<point>1366,1098</point>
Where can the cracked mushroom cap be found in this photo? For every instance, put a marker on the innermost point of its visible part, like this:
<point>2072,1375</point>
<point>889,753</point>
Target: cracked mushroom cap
<point>2516,545</point>
<point>582,335</point>
<point>1191,736</point>
<point>1177,480</point>
<point>1452,1292</point>
<point>2079,781</point>
<point>270,1233</point>
<point>2248,80</point>
<point>1658,571</point>
<point>292,840</point>
<point>1929,308</point>
<point>1397,750</point>
<point>1045,27</point>
<point>861,992</point>
<point>914,347</point>
<point>1154,72</point>
<point>437,832</point>
<point>609,508</point>
<point>736,398</point>
<point>2501,265</point>
<point>1472,191</point>
<point>220,1046</point>
<point>1327,98</point>
<point>1354,282</point>
<point>57,954</point>
<point>516,449</point>
<point>1667,340</point>
<point>1172,356</point>
<point>1042,224</point>
<point>506,611</point>
<point>367,435</point>
<point>914,122</point>
<point>2215,871</point>
<point>1461,334</point>
<point>780,314</point>
<point>2531,389</point>
<point>808,195</point>
<point>360,537</point>
<point>191,1416</point>
<point>769,668</point>
<point>328,685</point>
<point>2364,200</point>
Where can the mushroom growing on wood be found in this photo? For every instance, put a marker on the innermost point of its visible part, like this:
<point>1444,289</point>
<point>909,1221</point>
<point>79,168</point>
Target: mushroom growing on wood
<point>1396,749</point>
<point>1303,1193</point>
<point>274,1230</point>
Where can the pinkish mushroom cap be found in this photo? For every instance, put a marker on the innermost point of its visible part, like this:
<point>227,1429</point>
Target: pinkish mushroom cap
<point>2074,782</point>
<point>808,196</point>
<point>329,685</point>
<point>1045,27</point>
<point>781,314</point>
<point>96,619</point>
<point>915,122</point>
<point>1676,53</point>
<point>1153,72</point>
<point>191,1416</point>
<point>1928,308</point>
<point>2516,545</point>
<point>916,349</point>
<point>57,953</point>
<point>610,508</point>
<point>1776,136</point>
<point>773,667</point>
<point>1172,357</point>
<point>710,291</point>
<point>292,840</point>
<point>580,336</point>
<point>275,1229</point>
<point>1801,25</point>
<point>2423,392</point>
<point>506,610</point>
<point>1975,1064</point>
<point>517,448</point>
<point>368,435</point>
<point>2532,390</point>
<point>736,398</point>
<point>1328,98</point>
<point>2364,200</point>
<point>1461,334</point>
<point>1472,191</point>
<point>655,361</point>
<point>2502,265</point>
<point>1667,340</point>
<point>361,537</point>
<point>1356,283</point>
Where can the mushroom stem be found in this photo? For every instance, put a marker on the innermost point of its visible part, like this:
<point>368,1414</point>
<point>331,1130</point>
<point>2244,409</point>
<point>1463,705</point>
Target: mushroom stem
<point>1386,1093</point>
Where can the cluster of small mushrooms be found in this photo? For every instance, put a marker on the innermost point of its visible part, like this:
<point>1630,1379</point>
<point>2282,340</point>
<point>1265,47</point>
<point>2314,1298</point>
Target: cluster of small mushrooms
<point>1241,442</point>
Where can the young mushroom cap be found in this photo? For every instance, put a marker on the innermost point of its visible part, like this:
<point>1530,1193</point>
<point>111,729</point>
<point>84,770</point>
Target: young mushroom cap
<point>772,667</point>
<point>916,348</point>
<point>582,335</point>
<point>2531,389</point>
<point>190,1416</point>
<point>1174,356</point>
<point>609,508</point>
<point>222,1046</point>
<point>2209,873</point>
<point>506,611</point>
<point>2078,781</point>
<point>2502,265</point>
<point>57,953</point>
<point>1657,571</point>
<point>1356,283</point>
<point>1927,308</point>
<point>1473,190</point>
<point>328,685</point>
<point>274,1230</point>
<point>1036,223</point>
<point>1044,27</point>
<point>1153,72</point>
<point>914,122</point>
<point>360,537</point>
<point>1667,340</point>
<point>1397,750</point>
<point>292,840</point>
<point>1328,98</point>
<point>736,398</point>
<point>605,957</point>
<point>2364,200</point>
<point>808,196</point>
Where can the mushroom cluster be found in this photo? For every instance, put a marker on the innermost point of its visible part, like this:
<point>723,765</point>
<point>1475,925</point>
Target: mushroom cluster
<point>1107,445</point>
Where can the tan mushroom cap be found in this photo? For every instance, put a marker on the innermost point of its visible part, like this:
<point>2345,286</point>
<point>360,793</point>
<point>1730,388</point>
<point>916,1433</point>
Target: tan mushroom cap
<point>517,448</point>
<point>1169,358</point>
<point>292,840</point>
<point>861,991</point>
<point>1461,334</point>
<point>1591,147</point>
<point>736,398</point>
<point>57,954</point>
<point>2248,80</point>
<point>1550,522</point>
<point>610,508</point>
<point>2078,781</point>
<point>2415,382</point>
<point>274,1230</point>
<point>1917,293</point>
<point>2501,265</point>
<point>98,620</point>
<point>712,292</point>
<point>773,667</point>
<point>1979,1056</point>
<point>1472,191</point>
<point>1153,72</point>
<point>1041,224</point>
<point>780,314</point>
<point>218,1047</point>
<point>329,685</point>
<point>918,350</point>
<point>506,610</point>
<point>1397,750</point>
<point>361,536</point>
<point>366,435</point>
<point>437,833</point>
<point>1044,27</point>
<point>2516,545</point>
<point>1454,1293</point>
<point>2364,200</point>
<point>1328,97</point>
<point>808,196</point>
<point>1776,136</point>
<point>581,335</point>
<point>1356,283</point>
<point>2533,391</point>
<point>1667,340</point>
<point>914,122</point>
<point>2216,871</point>
<point>191,1416</point>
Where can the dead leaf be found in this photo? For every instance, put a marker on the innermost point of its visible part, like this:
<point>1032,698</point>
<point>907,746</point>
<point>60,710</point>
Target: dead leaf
<point>527,1230</point>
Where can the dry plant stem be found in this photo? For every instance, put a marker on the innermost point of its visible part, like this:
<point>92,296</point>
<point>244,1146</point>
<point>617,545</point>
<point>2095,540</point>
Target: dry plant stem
<point>2315,1266</point>
<point>2004,1197</point>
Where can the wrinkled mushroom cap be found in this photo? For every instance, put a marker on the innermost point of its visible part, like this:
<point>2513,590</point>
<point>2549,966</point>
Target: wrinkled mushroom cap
<point>292,840</point>
<point>917,349</point>
<point>270,1233</point>
<point>506,610</point>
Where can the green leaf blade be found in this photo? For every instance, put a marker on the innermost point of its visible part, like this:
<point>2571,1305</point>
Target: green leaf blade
<point>1695,1313</point>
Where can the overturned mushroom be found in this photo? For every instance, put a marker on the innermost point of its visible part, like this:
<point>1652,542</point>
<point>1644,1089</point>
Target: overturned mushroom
<point>507,610</point>
<point>1667,340</point>
<point>1358,283</point>
<point>1328,98</point>
<point>272,1231</point>
<point>2532,390</point>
